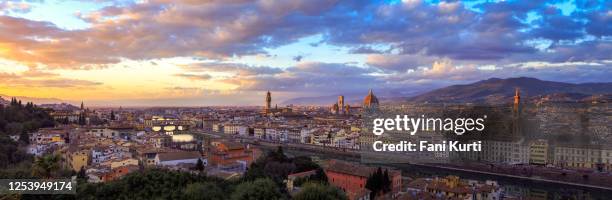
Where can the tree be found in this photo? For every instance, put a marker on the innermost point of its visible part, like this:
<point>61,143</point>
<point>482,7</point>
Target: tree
<point>278,171</point>
<point>304,163</point>
<point>386,181</point>
<point>45,166</point>
<point>82,174</point>
<point>264,189</point>
<point>255,171</point>
<point>112,115</point>
<point>24,137</point>
<point>14,128</point>
<point>278,155</point>
<point>313,191</point>
<point>199,165</point>
<point>203,191</point>
<point>153,184</point>
<point>320,176</point>
<point>378,183</point>
<point>16,119</point>
<point>10,153</point>
<point>82,119</point>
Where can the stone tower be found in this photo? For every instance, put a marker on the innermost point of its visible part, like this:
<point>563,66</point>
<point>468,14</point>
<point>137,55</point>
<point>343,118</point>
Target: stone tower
<point>517,100</point>
<point>516,113</point>
<point>341,104</point>
<point>268,101</point>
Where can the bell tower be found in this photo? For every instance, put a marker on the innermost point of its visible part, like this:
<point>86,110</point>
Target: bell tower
<point>517,100</point>
<point>268,101</point>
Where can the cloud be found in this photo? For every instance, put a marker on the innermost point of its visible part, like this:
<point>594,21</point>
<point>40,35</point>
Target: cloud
<point>406,45</point>
<point>298,58</point>
<point>158,29</point>
<point>599,23</point>
<point>403,62</point>
<point>195,77</point>
<point>233,68</point>
<point>43,80</point>
<point>555,26</point>
<point>311,77</point>
<point>8,6</point>
<point>33,72</point>
<point>224,29</point>
<point>365,50</point>
<point>445,72</point>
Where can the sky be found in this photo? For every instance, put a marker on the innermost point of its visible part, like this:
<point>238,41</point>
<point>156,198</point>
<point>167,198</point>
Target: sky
<point>230,52</point>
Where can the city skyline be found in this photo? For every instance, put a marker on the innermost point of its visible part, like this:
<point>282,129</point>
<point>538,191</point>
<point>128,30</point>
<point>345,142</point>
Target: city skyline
<point>232,53</point>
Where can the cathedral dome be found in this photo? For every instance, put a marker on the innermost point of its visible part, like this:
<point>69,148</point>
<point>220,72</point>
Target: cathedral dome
<point>370,100</point>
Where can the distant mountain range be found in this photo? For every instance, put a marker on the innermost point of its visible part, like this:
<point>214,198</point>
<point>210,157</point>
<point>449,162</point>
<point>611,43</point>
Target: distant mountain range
<point>496,90</point>
<point>322,100</point>
<point>36,100</point>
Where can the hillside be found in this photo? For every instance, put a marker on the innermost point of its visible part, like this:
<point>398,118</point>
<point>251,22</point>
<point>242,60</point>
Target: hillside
<point>497,90</point>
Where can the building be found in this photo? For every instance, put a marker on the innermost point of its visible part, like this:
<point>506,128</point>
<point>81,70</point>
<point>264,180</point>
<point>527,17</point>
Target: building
<point>351,178</point>
<point>370,102</point>
<point>117,173</point>
<point>268,110</point>
<point>259,132</point>
<point>69,116</point>
<point>102,132</point>
<point>583,157</point>
<point>340,107</point>
<point>159,140</point>
<point>234,129</point>
<point>123,162</point>
<point>538,152</point>
<point>176,158</point>
<point>268,101</point>
<point>231,156</point>
<point>50,136</point>
<point>148,155</point>
<point>341,102</point>
<point>78,159</point>
<point>506,152</point>
<point>451,187</point>
<point>294,135</point>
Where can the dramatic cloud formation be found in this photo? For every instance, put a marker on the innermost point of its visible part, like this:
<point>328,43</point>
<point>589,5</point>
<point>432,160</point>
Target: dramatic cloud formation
<point>217,29</point>
<point>258,45</point>
<point>41,79</point>
<point>305,76</point>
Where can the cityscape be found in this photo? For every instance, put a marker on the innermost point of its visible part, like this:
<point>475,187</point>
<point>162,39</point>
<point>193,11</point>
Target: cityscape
<point>321,99</point>
<point>103,145</point>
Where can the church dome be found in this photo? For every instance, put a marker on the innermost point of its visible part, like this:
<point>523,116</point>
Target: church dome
<point>370,100</point>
